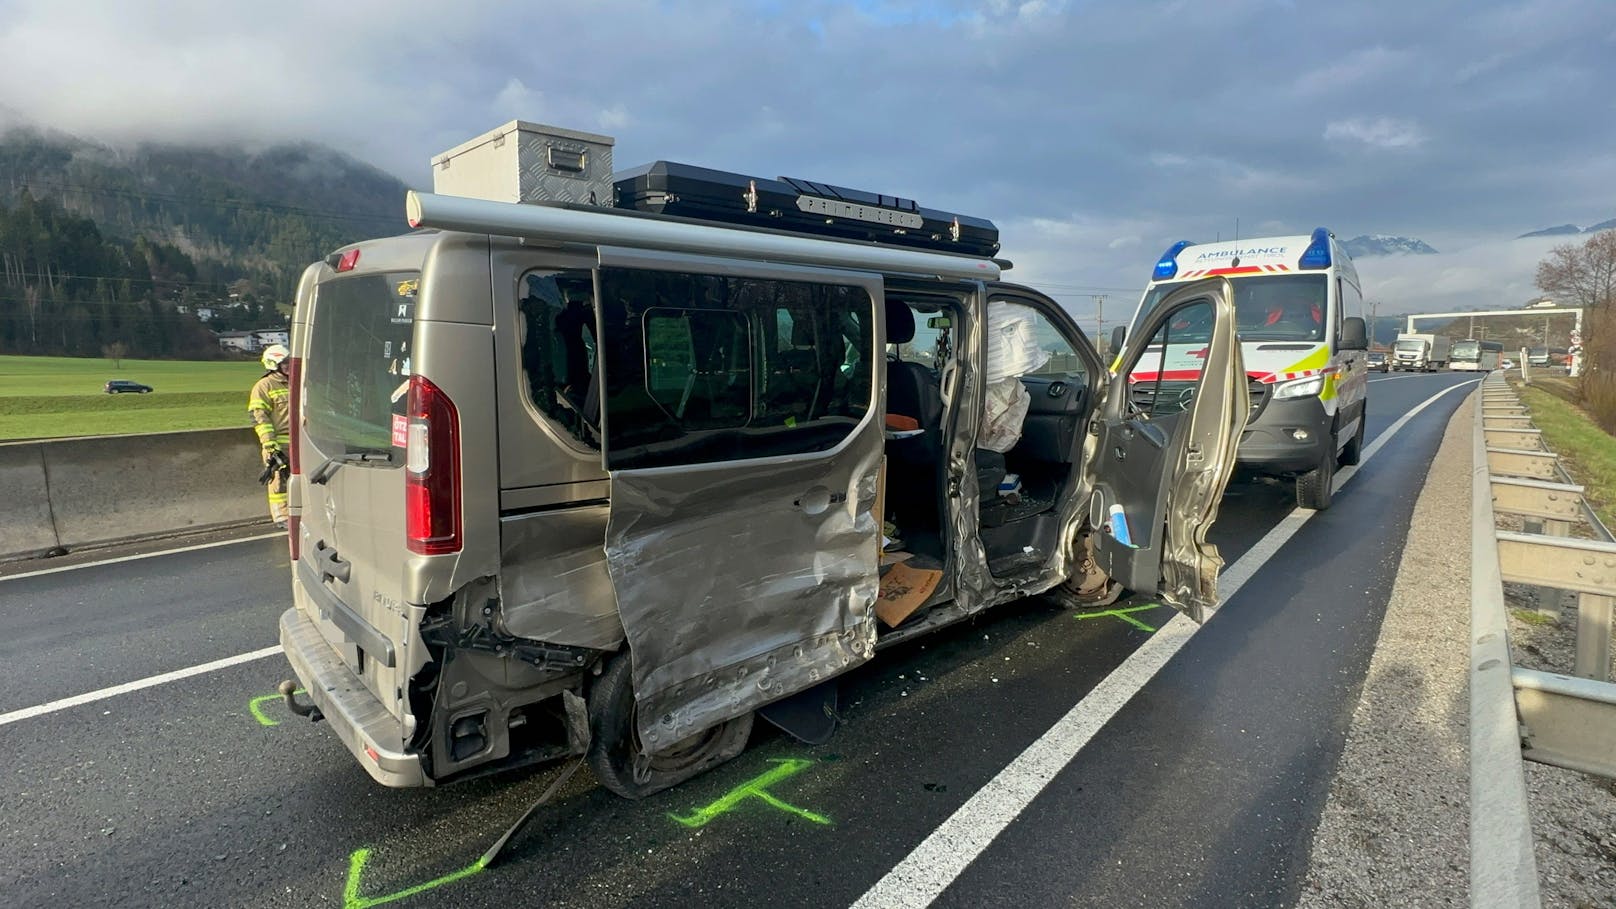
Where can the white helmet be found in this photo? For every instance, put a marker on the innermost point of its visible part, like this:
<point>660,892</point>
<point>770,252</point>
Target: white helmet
<point>274,354</point>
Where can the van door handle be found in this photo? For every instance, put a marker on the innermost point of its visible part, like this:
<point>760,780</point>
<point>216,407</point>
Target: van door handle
<point>818,499</point>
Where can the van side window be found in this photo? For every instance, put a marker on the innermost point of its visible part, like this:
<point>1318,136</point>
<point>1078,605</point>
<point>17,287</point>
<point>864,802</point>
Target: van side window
<point>557,314</point>
<point>702,368</point>
<point>698,366</point>
<point>1044,350</point>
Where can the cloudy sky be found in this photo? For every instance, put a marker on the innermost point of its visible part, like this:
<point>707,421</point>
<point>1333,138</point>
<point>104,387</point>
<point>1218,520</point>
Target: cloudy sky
<point>1093,133</point>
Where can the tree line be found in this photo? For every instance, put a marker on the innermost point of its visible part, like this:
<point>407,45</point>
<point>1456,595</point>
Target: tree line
<point>69,289</point>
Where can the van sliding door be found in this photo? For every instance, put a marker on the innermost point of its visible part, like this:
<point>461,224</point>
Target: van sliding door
<point>741,427</point>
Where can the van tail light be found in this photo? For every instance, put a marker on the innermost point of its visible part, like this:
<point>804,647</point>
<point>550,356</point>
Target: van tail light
<point>431,471</point>
<point>294,383</point>
<point>294,528</point>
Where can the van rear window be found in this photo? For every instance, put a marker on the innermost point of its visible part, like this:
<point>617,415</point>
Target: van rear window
<point>357,361</point>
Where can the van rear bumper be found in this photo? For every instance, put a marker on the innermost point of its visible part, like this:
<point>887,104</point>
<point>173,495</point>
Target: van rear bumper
<point>358,719</point>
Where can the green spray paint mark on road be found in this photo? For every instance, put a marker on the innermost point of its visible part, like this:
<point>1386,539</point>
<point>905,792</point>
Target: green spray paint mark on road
<point>755,788</point>
<point>356,869</point>
<point>1123,614</point>
<point>258,711</point>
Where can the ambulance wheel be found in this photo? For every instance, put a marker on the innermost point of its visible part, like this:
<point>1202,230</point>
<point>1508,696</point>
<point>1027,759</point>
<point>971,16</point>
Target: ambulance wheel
<point>622,764</point>
<point>1353,453</point>
<point>1313,488</point>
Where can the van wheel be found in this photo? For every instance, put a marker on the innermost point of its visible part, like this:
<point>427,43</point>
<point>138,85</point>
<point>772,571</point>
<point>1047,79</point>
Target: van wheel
<point>617,757</point>
<point>1313,488</point>
<point>1353,453</point>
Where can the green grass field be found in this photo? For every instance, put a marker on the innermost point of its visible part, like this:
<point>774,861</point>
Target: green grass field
<point>1589,452</point>
<point>42,397</point>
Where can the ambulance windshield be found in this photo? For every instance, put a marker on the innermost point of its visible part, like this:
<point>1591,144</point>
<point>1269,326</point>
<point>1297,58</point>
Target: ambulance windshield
<point>1270,307</point>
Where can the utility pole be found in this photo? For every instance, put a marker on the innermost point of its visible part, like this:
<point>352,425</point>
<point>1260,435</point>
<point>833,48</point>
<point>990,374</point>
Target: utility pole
<point>1099,317</point>
<point>1374,311</point>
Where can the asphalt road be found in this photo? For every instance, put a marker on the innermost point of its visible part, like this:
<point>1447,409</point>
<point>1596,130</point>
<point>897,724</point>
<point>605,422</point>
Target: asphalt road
<point>1202,791</point>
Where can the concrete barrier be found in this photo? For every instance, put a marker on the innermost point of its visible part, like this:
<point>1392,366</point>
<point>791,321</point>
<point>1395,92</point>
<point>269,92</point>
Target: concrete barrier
<point>25,511</point>
<point>103,489</point>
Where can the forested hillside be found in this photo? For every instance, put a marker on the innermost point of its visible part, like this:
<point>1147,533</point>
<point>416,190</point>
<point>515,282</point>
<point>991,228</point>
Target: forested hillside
<point>100,246</point>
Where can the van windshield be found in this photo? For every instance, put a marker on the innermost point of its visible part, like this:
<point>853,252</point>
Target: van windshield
<point>1268,307</point>
<point>357,362</point>
<point>1411,344</point>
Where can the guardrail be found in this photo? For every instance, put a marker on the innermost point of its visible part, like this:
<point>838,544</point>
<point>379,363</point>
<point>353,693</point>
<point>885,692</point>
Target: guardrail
<point>1552,718</point>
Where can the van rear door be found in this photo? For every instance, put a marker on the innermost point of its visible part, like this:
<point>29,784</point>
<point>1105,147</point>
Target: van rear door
<point>743,434</point>
<point>355,374</point>
<point>1168,431</point>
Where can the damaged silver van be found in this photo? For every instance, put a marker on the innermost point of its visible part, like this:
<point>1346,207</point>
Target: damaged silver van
<point>610,464</point>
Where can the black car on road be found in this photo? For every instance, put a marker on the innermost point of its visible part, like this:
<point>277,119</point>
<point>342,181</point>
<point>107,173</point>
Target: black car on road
<point>1378,361</point>
<point>124,386</point>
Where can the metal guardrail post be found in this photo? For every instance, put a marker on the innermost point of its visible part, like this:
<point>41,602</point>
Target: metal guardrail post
<point>1514,462</point>
<point>1537,499</point>
<point>1568,720</point>
<point>1519,439</point>
<point>1503,870</point>
<point>1593,635</point>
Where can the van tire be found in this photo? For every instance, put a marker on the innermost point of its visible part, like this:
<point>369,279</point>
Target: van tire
<point>1353,453</point>
<point>1313,488</point>
<point>614,744</point>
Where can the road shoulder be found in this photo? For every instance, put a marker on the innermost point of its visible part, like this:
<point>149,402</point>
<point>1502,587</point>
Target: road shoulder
<point>1397,819</point>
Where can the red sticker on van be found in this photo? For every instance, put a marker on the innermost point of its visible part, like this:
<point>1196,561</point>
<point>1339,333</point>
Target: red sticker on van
<point>401,431</point>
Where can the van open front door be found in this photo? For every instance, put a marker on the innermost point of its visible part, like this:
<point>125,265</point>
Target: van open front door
<point>1168,431</point>
<point>742,431</point>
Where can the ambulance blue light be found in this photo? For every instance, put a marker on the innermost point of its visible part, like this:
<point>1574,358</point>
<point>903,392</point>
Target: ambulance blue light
<point>1317,254</point>
<point>1167,265</point>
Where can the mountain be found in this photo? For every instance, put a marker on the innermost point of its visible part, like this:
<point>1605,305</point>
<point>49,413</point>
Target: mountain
<point>1566,230</point>
<point>1382,245</point>
<point>263,212</point>
<point>149,249</point>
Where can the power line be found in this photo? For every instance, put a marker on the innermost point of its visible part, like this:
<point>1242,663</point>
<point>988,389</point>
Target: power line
<point>57,276</point>
<point>238,204</point>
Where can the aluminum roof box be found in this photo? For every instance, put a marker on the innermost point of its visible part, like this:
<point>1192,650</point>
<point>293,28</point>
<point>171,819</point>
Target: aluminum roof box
<point>528,162</point>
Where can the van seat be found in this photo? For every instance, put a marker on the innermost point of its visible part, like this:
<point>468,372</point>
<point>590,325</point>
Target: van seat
<point>912,389</point>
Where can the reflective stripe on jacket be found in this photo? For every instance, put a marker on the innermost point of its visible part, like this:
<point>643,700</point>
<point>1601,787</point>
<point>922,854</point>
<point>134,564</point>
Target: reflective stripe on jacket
<point>270,407</point>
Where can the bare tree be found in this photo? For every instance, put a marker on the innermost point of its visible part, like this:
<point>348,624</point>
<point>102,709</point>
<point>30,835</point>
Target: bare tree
<point>1582,275</point>
<point>115,352</point>
<point>1585,276</point>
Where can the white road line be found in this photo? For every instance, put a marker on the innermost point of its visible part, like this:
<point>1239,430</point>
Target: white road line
<point>927,871</point>
<point>1412,375</point>
<point>149,682</point>
<point>279,534</point>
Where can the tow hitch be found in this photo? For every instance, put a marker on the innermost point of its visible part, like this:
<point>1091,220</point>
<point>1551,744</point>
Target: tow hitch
<point>288,691</point>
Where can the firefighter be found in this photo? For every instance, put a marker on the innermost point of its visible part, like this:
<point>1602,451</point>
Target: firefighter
<point>269,405</point>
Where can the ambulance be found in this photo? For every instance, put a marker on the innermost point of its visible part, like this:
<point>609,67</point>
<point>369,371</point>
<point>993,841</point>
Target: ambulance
<point>1299,312</point>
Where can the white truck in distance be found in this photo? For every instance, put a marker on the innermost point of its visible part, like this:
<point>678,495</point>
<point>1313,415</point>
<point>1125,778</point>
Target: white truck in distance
<point>1419,352</point>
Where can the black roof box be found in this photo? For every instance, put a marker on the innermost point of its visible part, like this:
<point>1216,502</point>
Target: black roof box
<point>801,206</point>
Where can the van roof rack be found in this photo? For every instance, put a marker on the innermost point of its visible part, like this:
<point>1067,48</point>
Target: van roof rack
<point>627,228</point>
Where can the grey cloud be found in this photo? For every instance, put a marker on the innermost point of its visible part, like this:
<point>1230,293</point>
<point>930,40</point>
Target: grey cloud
<point>1071,124</point>
<point>1376,132</point>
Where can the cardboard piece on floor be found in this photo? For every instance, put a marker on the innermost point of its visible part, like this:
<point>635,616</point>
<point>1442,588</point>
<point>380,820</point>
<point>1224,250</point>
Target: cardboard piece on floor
<point>903,589</point>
